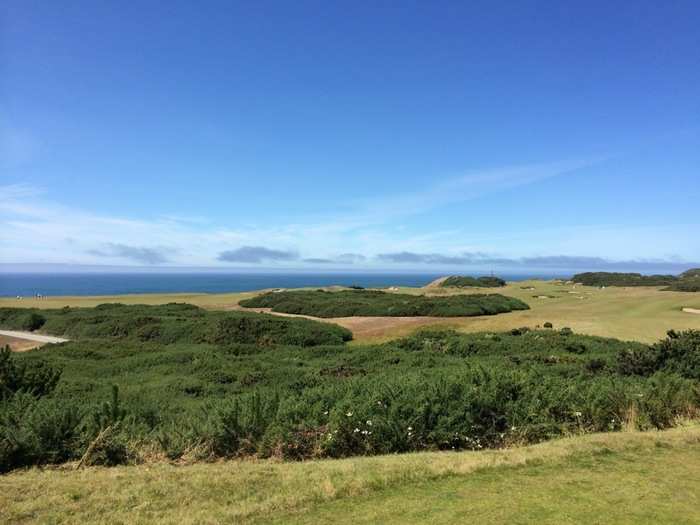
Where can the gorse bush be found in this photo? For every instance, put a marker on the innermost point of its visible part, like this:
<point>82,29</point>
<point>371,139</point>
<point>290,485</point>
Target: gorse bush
<point>32,378</point>
<point>679,353</point>
<point>226,393</point>
<point>33,321</point>
<point>36,431</point>
<point>174,323</point>
<point>346,303</point>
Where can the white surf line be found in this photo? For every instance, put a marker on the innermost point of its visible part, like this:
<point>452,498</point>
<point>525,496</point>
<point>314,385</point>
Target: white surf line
<point>33,337</point>
<point>691,310</point>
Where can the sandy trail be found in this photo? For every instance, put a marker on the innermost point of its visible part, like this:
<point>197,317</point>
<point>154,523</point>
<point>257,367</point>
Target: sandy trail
<point>29,336</point>
<point>691,310</point>
<point>436,283</point>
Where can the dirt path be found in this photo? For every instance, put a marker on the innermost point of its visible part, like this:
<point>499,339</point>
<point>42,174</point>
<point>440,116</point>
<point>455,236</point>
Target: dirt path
<point>437,282</point>
<point>691,310</point>
<point>29,336</point>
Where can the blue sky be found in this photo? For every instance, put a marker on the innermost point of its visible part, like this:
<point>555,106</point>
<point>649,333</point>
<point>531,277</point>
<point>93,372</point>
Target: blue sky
<point>363,135</point>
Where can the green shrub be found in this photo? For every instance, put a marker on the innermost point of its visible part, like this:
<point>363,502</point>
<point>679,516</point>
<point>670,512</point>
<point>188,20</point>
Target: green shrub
<point>36,431</point>
<point>33,321</point>
<point>679,353</point>
<point>35,378</point>
<point>173,323</point>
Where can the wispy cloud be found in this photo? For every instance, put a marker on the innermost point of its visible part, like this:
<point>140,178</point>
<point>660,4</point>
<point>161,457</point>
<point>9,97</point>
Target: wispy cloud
<point>350,258</point>
<point>562,262</point>
<point>139,254</point>
<point>318,260</point>
<point>367,233</point>
<point>256,255</point>
<point>453,189</point>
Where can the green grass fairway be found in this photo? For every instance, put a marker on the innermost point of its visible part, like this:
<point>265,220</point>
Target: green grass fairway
<point>205,300</point>
<point>651,477</point>
<point>633,313</point>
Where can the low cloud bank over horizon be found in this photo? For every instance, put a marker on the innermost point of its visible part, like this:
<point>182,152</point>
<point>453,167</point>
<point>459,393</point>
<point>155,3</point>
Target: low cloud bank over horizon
<point>564,262</point>
<point>158,255</point>
<point>251,258</point>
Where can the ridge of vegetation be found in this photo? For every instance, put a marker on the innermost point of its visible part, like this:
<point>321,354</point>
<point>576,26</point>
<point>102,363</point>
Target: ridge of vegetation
<point>464,281</point>
<point>172,323</point>
<point>688,281</point>
<point>348,303</point>
<point>693,273</point>
<point>622,279</point>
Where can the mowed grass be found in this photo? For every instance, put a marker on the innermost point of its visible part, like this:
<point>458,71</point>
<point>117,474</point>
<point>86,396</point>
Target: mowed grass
<point>635,313</point>
<point>628,477</point>
<point>205,300</point>
<point>642,314</point>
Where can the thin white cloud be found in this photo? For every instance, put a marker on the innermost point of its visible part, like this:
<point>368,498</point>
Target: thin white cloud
<point>33,228</point>
<point>450,190</point>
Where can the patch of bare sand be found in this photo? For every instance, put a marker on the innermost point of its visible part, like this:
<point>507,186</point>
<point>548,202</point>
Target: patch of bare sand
<point>18,345</point>
<point>691,310</point>
<point>436,283</point>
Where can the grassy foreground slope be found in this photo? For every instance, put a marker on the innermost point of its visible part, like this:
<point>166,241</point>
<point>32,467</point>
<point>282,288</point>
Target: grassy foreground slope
<point>348,303</point>
<point>629,477</point>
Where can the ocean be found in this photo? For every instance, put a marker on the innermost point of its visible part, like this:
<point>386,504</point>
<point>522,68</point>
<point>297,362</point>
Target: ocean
<point>48,284</point>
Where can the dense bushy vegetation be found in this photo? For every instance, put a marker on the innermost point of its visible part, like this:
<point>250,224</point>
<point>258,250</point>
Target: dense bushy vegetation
<point>622,279</point>
<point>693,273</point>
<point>347,303</point>
<point>462,281</point>
<point>688,281</point>
<point>171,323</point>
<point>115,399</point>
<point>685,285</point>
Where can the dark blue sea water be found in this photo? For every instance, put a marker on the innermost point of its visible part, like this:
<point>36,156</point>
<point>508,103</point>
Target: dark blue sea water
<point>29,284</point>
